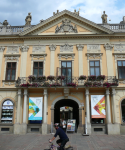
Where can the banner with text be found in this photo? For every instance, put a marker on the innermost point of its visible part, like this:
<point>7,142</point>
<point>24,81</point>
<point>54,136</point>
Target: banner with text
<point>98,106</point>
<point>35,108</point>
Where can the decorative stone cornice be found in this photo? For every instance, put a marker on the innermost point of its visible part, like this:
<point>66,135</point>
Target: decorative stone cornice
<point>12,57</point>
<point>52,47</point>
<point>80,47</point>
<point>94,56</point>
<point>108,46</point>
<point>119,47</point>
<point>66,48</point>
<point>24,48</point>
<point>119,55</point>
<point>66,56</point>
<point>2,49</point>
<point>13,49</point>
<point>38,56</point>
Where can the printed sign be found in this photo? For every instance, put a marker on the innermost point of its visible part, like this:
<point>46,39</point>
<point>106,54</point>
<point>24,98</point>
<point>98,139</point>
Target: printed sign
<point>71,125</point>
<point>35,108</point>
<point>98,106</point>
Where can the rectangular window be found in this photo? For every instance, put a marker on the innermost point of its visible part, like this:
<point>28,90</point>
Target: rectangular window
<point>94,68</point>
<point>38,69</point>
<point>121,69</point>
<point>66,70</point>
<point>11,71</point>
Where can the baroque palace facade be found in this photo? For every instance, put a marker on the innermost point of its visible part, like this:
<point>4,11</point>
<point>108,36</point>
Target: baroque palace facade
<point>67,60</point>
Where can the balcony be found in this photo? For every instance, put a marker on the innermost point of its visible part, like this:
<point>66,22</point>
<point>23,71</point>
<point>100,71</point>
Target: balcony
<point>107,81</point>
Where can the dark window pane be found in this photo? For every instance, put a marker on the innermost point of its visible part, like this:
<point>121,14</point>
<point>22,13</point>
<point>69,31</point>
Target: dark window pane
<point>92,71</point>
<point>96,63</point>
<point>64,72</point>
<point>8,74</point>
<point>91,63</point>
<point>121,71</point>
<point>8,65</point>
<point>69,72</point>
<point>40,64</point>
<point>123,114</point>
<point>123,63</point>
<point>35,64</point>
<point>40,72</point>
<point>35,72</point>
<point>14,65</point>
<point>68,64</point>
<point>123,102</point>
<point>119,63</point>
<point>63,64</point>
<point>13,74</point>
<point>97,71</point>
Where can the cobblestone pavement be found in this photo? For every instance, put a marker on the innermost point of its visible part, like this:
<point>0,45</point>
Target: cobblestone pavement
<point>36,141</point>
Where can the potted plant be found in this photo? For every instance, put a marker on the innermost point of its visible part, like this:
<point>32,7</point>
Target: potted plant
<point>107,84</point>
<point>50,77</point>
<point>54,85</point>
<point>92,77</point>
<point>46,84</point>
<point>88,84</point>
<point>114,84</point>
<point>82,77</point>
<point>41,78</point>
<point>31,77</point>
<point>35,85</point>
<point>60,77</point>
<point>71,84</point>
<point>97,84</point>
<point>25,85</point>
<point>101,77</point>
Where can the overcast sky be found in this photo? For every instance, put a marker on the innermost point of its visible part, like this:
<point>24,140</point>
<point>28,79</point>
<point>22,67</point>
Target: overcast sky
<point>15,11</point>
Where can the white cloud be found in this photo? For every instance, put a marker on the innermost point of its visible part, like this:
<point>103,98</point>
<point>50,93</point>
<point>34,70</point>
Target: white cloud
<point>16,11</point>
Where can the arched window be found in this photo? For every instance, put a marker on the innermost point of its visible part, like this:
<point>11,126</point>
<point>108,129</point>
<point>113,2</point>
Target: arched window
<point>123,110</point>
<point>7,112</point>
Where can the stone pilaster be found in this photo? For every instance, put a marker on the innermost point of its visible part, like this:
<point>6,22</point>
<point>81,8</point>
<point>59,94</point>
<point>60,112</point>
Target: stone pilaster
<point>52,59</point>
<point>1,56</point>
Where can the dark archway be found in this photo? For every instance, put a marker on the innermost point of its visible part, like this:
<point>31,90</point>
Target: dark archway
<point>66,102</point>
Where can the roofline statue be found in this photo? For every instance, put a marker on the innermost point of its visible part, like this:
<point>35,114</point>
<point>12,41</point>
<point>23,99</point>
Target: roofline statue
<point>28,19</point>
<point>104,18</point>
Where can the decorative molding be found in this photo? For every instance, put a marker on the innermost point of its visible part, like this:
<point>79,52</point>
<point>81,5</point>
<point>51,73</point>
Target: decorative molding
<point>66,26</point>
<point>12,49</point>
<point>52,47</point>
<point>119,48</point>
<point>66,48</point>
<point>12,57</point>
<point>117,56</point>
<point>93,48</point>
<point>80,47</point>
<point>2,49</point>
<point>8,83</point>
<point>24,48</point>
<point>38,56</point>
<point>39,49</point>
<point>108,46</point>
<point>94,56</point>
<point>66,92</point>
<point>107,92</point>
<point>52,95</point>
<point>66,56</point>
<point>122,82</point>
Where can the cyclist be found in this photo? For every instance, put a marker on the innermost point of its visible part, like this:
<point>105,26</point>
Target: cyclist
<point>63,137</point>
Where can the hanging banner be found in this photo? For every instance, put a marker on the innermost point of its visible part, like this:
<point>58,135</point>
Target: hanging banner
<point>35,108</point>
<point>98,106</point>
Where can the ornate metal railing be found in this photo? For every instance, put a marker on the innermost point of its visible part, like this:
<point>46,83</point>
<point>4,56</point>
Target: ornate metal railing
<point>67,81</point>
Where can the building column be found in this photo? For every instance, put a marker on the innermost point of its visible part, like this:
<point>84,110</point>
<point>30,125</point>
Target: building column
<point>44,125</point>
<point>1,56</point>
<point>116,125</point>
<point>52,58</point>
<point>17,124</point>
<point>88,112</point>
<point>25,112</point>
<point>52,119</point>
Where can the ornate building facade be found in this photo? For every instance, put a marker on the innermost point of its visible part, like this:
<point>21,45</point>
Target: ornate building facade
<point>66,59</point>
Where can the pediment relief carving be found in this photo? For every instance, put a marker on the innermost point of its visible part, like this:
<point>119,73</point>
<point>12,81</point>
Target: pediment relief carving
<point>12,49</point>
<point>94,48</point>
<point>12,57</point>
<point>38,56</point>
<point>66,26</point>
<point>39,49</point>
<point>119,56</point>
<point>119,48</point>
<point>2,49</point>
<point>66,56</point>
<point>94,56</point>
<point>66,48</point>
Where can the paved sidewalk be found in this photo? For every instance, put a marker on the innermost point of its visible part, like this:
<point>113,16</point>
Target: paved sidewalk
<point>36,141</point>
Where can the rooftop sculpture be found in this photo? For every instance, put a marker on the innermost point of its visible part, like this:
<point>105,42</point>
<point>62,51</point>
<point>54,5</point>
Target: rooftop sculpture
<point>28,19</point>
<point>104,18</point>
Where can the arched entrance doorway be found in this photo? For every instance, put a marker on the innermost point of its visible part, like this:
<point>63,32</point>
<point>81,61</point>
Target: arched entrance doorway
<point>68,103</point>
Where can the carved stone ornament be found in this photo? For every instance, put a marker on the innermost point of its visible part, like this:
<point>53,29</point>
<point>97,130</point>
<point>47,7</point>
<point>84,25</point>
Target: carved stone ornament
<point>24,48</point>
<point>13,49</point>
<point>8,83</point>
<point>94,56</point>
<point>119,48</point>
<point>2,49</point>
<point>39,49</point>
<point>104,18</point>
<point>119,56</point>
<point>11,58</point>
<point>108,46</point>
<point>28,19</point>
<point>87,92</point>
<point>38,56</point>
<point>113,91</point>
<point>66,93</point>
<point>80,47</point>
<point>66,56</point>
<point>93,48</point>
<point>66,26</point>
<point>107,92</point>
<point>52,47</point>
<point>122,82</point>
<point>66,48</point>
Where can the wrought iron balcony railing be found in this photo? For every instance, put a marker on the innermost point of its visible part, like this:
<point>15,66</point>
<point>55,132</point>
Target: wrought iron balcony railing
<point>67,81</point>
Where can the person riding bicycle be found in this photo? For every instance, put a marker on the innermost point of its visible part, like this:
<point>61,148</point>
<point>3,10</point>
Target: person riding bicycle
<point>63,137</point>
